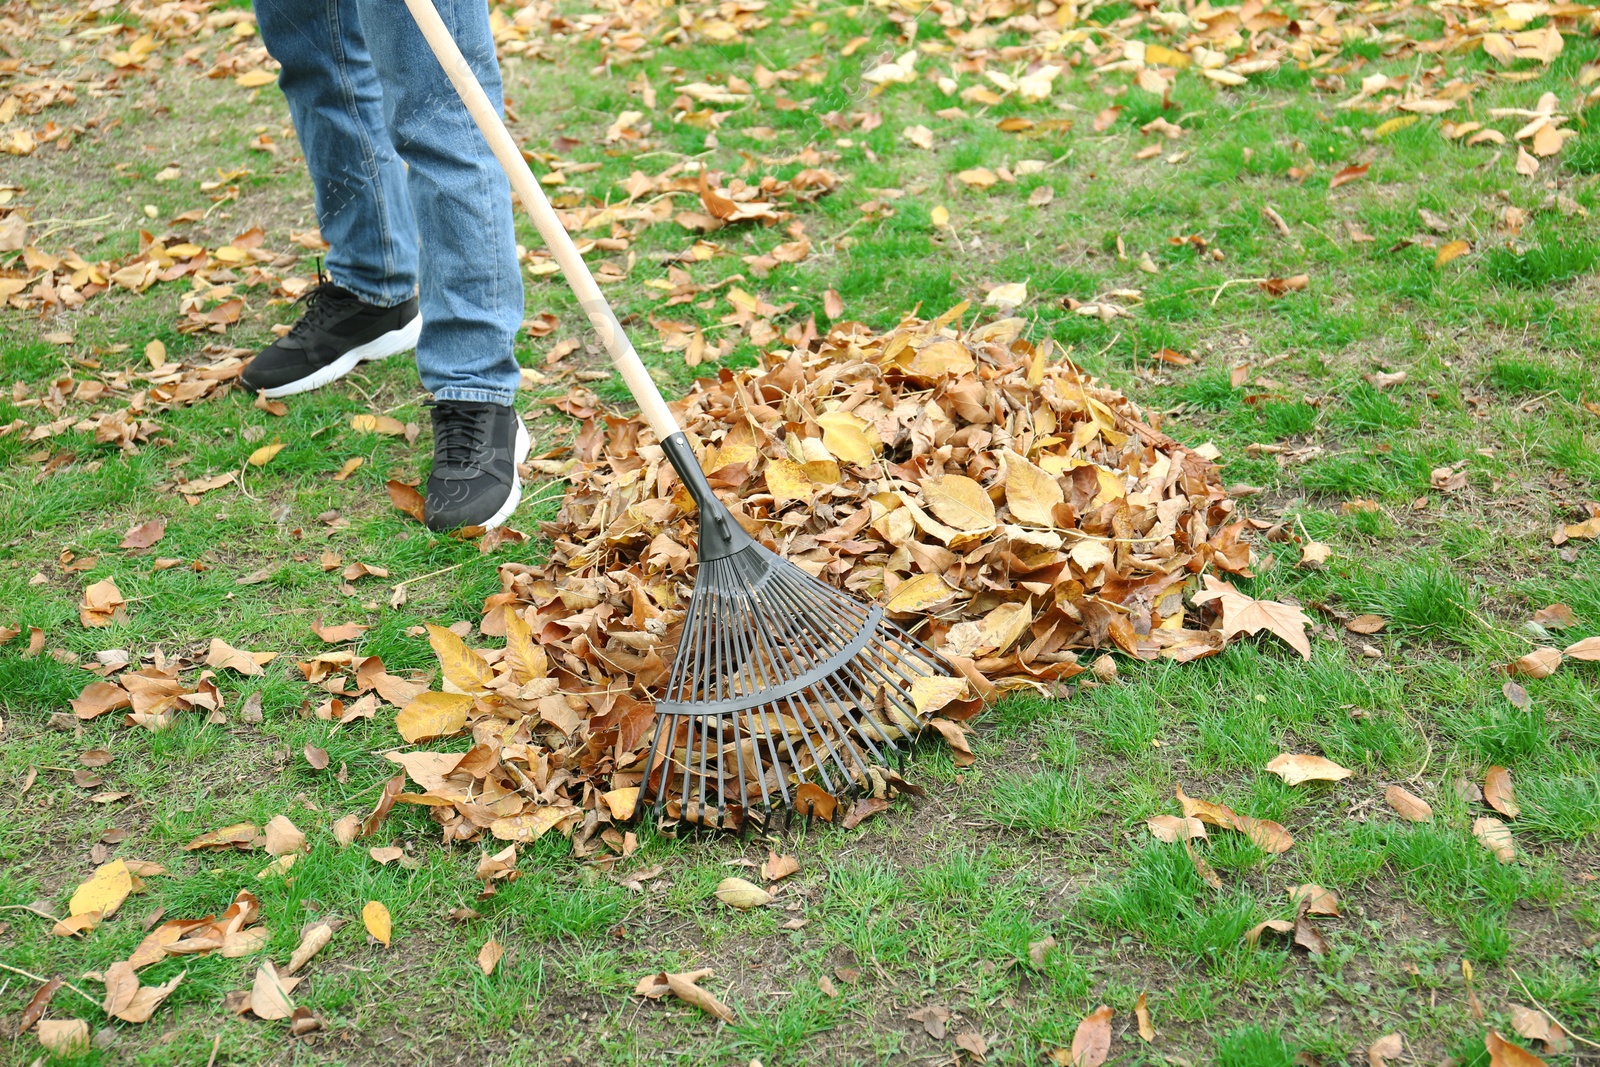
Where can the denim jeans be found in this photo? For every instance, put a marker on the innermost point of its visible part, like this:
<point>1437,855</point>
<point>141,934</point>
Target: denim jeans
<point>408,195</point>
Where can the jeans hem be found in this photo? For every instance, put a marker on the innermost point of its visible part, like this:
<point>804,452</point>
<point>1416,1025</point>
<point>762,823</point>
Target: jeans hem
<point>476,396</point>
<point>367,296</point>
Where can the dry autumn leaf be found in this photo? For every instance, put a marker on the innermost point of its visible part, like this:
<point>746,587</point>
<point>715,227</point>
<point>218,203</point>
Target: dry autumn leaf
<point>104,891</point>
<point>375,917</point>
<point>1498,794</point>
<point>1503,1053</point>
<point>64,1037</point>
<point>1242,614</point>
<point>489,956</point>
<point>263,455</point>
<point>1091,1042</point>
<point>1408,805</point>
<point>1540,663</point>
<point>144,535</point>
<point>740,894</point>
<point>1495,836</point>
<point>1295,768</point>
<point>1386,1048</point>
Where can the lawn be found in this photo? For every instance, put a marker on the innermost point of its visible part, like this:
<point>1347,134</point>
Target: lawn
<point>1385,323</point>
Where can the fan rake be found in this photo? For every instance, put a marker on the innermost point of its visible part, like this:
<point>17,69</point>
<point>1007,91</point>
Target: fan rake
<point>778,678</point>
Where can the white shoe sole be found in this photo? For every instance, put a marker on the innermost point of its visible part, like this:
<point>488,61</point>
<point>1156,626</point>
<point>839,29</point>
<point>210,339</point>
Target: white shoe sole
<point>515,497</point>
<point>395,341</point>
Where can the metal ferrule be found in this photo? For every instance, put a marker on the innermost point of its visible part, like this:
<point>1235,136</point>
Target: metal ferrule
<point>720,533</point>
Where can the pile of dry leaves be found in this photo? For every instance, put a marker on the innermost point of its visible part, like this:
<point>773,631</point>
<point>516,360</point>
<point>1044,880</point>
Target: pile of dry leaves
<point>997,500</point>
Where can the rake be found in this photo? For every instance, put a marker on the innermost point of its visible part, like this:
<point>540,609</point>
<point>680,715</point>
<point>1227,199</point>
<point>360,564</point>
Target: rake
<point>781,684</point>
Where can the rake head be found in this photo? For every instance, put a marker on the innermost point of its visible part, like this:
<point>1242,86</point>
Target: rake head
<point>782,685</point>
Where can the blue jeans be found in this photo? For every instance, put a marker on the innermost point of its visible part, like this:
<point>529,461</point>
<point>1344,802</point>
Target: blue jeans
<point>407,191</point>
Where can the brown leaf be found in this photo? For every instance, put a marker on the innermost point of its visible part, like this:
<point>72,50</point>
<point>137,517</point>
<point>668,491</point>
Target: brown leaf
<point>1348,174</point>
<point>1408,805</point>
<point>1496,837</point>
<point>684,986</point>
<point>317,757</point>
<point>1295,768</point>
<point>1587,650</point>
<point>37,1004</point>
<point>489,956</point>
<point>1252,936</point>
<point>334,635</point>
<point>269,994</point>
<point>1386,1048</point>
<point>812,799</point>
<point>1503,1053</point>
<point>1312,899</point>
<point>1498,794</point>
<point>776,868</point>
<point>282,837</point>
<point>312,940</point>
<point>406,498</point>
<point>145,535</point>
<point>64,1037</point>
<point>1141,1011</point>
<point>1366,624</point>
<point>1091,1043</point>
<point>1242,614</point>
<point>1540,663</point>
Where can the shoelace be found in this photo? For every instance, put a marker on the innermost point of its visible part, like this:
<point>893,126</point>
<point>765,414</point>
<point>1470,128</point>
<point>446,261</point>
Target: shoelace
<point>323,303</point>
<point>458,435</point>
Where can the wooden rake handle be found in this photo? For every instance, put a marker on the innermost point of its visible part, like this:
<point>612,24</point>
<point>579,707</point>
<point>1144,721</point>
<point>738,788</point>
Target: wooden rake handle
<point>573,268</point>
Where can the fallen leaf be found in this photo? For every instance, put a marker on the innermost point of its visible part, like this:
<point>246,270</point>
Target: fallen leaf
<point>263,455</point>
<point>1450,250</point>
<point>334,635</point>
<point>283,837</point>
<point>144,535</point>
<point>740,894</point>
<point>37,1004</point>
<point>104,891</point>
<point>1540,663</point>
<point>1587,650</point>
<point>375,917</point>
<point>489,955</point>
<point>433,715</point>
<point>1408,805</point>
<point>1091,1042</point>
<point>1312,899</point>
<point>312,941</point>
<point>1498,794</point>
<point>776,868</point>
<point>462,666</point>
<point>1386,1048</point>
<point>1366,624</point>
<point>1495,836</point>
<point>64,1037</point>
<point>1141,1012</point>
<point>1348,174</point>
<point>1503,1053</point>
<point>1242,614</point>
<point>269,993</point>
<point>1298,767</point>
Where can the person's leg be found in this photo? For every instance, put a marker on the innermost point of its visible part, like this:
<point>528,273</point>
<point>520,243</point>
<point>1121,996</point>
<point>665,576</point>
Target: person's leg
<point>369,310</point>
<point>363,206</point>
<point>471,283</point>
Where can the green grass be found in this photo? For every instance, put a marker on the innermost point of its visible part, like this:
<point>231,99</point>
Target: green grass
<point>946,900</point>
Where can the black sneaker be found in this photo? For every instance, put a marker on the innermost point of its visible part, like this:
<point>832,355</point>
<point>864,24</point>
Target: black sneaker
<point>476,449</point>
<point>337,331</point>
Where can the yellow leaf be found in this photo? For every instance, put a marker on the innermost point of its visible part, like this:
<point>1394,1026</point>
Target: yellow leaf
<point>532,825</point>
<point>255,79</point>
<point>942,358</point>
<point>1008,296</point>
<point>263,455</point>
<point>959,501</point>
<point>621,802</point>
<point>929,693</point>
<point>528,660</point>
<point>156,353</point>
<point>920,594</point>
<point>1449,251</point>
<point>375,917</point>
<point>1297,767</point>
<point>462,666</point>
<point>939,216</point>
<point>787,480</point>
<point>1385,128</point>
<point>383,424</point>
<point>433,715</point>
<point>1031,494</point>
<point>979,177</point>
<point>847,438</point>
<point>105,890</point>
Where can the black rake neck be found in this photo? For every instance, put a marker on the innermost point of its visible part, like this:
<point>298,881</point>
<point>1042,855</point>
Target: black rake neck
<point>720,533</point>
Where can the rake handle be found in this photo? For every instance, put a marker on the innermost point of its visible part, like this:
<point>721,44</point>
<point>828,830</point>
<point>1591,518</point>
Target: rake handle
<point>573,268</point>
